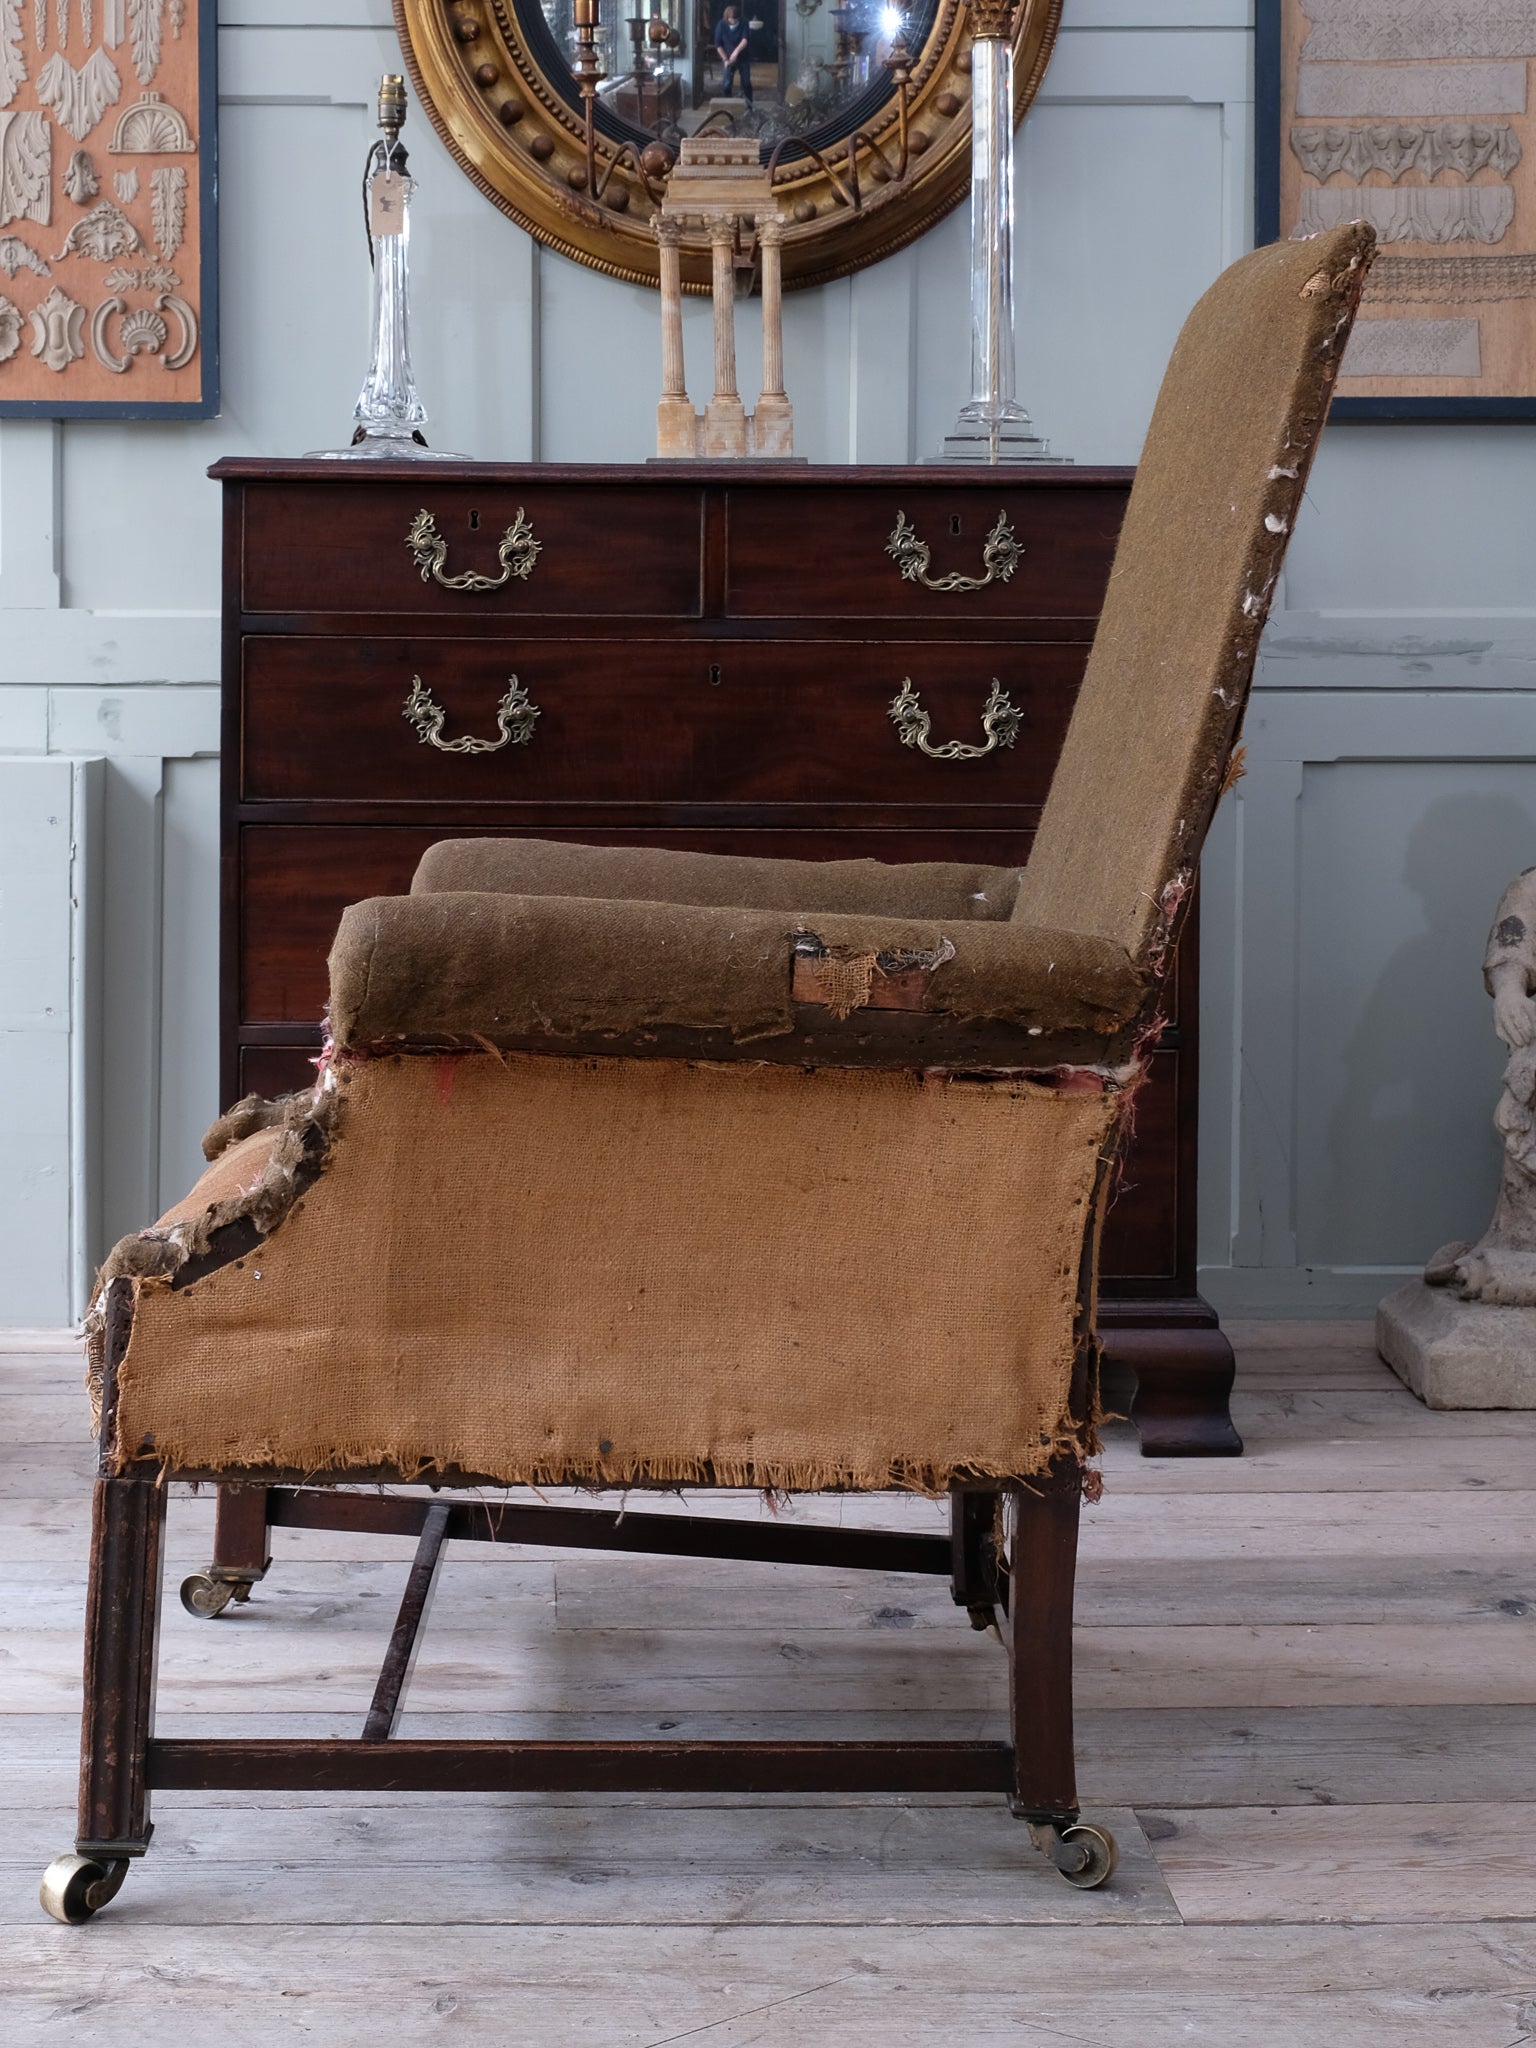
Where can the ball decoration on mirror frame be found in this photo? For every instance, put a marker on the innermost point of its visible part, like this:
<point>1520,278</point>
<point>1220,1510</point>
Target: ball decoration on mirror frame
<point>529,139</point>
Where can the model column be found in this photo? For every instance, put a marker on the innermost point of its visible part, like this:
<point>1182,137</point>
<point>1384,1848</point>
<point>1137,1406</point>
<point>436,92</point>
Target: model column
<point>676,425</point>
<point>725,419</point>
<point>773,423</point>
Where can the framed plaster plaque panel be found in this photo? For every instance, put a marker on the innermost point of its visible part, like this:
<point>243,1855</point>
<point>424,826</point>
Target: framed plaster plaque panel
<point>1420,117</point>
<point>108,185</point>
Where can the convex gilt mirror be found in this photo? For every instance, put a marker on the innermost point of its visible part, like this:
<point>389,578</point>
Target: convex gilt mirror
<point>862,109</point>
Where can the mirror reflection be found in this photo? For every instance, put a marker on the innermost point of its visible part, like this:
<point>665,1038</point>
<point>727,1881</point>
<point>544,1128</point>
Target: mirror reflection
<point>789,71</point>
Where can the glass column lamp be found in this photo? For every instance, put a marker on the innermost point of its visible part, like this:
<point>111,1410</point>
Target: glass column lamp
<point>993,426</point>
<point>389,414</point>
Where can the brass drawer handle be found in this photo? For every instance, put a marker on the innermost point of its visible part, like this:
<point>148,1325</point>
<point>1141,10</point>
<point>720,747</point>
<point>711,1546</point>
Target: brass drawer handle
<point>1000,556</point>
<point>517,554</point>
<point>1000,721</point>
<point>515,715</point>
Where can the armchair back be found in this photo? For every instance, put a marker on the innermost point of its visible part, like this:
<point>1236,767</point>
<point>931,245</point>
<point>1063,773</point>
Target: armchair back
<point>1221,476</point>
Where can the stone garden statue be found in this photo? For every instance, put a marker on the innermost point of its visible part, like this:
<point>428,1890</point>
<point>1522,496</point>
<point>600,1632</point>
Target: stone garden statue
<point>1501,1267</point>
<point>1465,1335</point>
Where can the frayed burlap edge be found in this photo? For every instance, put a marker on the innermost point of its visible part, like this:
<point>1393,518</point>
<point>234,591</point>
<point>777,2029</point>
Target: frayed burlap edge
<point>400,1466</point>
<point>304,1121</point>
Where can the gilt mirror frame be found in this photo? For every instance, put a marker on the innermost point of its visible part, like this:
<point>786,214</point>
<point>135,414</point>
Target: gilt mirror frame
<point>517,133</point>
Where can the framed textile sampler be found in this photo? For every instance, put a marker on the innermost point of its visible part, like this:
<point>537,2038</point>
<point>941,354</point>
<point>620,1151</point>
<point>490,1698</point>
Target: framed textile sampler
<point>1419,117</point>
<point>108,190</point>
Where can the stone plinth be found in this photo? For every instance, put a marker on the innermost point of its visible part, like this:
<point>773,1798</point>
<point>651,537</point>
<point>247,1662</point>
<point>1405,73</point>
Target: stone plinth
<point>1458,1354</point>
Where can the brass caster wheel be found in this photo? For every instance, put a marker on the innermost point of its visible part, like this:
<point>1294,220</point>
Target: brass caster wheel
<point>74,1888</point>
<point>207,1597</point>
<point>1098,1852</point>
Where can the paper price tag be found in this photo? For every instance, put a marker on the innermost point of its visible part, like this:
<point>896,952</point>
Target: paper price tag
<point>386,202</point>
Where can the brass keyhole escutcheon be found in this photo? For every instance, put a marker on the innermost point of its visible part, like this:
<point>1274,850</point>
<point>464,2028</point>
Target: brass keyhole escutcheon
<point>714,672</point>
<point>954,524</point>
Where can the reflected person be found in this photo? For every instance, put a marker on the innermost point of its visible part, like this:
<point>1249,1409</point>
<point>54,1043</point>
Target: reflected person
<point>732,41</point>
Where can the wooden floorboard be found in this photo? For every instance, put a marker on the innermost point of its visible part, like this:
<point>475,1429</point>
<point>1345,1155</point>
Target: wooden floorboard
<point>1306,1689</point>
<point>810,1987</point>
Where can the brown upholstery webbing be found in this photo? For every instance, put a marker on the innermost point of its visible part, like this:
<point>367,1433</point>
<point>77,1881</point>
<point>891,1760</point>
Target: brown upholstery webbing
<point>1216,493</point>
<point>542,1269</point>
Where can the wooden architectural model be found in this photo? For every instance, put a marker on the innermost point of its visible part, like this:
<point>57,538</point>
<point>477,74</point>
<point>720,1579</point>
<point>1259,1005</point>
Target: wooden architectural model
<point>720,181</point>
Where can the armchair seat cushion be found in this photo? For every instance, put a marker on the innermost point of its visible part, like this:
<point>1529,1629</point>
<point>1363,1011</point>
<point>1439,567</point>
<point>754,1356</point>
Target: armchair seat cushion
<point>725,881</point>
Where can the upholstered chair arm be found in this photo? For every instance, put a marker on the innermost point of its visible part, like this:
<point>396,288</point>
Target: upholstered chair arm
<point>454,967</point>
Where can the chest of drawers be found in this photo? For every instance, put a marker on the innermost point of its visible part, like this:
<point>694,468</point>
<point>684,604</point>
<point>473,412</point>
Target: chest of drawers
<point>696,656</point>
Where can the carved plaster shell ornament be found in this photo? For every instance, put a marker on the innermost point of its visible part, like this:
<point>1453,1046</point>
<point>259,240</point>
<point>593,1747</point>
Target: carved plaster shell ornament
<point>26,168</point>
<point>15,255</point>
<point>58,330</point>
<point>80,179</point>
<point>144,37</point>
<point>126,185</point>
<point>168,207</point>
<point>10,329</point>
<point>151,127</point>
<point>13,66</point>
<point>104,232</point>
<point>79,98</point>
<point>144,333</point>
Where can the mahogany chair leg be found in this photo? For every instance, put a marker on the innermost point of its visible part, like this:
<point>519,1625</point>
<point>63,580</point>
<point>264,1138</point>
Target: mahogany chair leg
<point>973,1533</point>
<point>121,1634</point>
<point>1041,1580</point>
<point>240,1556</point>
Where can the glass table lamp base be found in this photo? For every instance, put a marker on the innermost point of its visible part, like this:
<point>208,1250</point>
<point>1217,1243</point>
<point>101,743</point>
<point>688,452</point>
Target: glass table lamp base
<point>1012,438</point>
<point>377,445</point>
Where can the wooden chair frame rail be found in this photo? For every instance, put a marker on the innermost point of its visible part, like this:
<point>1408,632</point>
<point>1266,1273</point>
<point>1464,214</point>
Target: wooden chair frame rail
<point>1028,1598</point>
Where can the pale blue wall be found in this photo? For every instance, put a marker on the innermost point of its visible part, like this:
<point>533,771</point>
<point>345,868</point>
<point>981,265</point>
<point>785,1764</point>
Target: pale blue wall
<point>1396,706</point>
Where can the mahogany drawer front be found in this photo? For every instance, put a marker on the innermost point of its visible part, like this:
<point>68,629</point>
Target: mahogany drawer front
<point>602,551</point>
<point>830,554</point>
<point>647,721</point>
<point>1141,1231</point>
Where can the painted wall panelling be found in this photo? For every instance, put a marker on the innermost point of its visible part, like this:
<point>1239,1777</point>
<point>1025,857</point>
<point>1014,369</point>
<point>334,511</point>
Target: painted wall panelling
<point>50,997</point>
<point>1408,578</point>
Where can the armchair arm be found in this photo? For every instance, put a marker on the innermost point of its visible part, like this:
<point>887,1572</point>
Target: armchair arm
<point>446,966</point>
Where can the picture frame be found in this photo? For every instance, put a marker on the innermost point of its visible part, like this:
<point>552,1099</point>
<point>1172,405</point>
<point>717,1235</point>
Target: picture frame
<point>1395,104</point>
<point>109,242</point>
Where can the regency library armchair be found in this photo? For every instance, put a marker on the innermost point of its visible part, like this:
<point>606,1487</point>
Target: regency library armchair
<point>632,1169</point>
